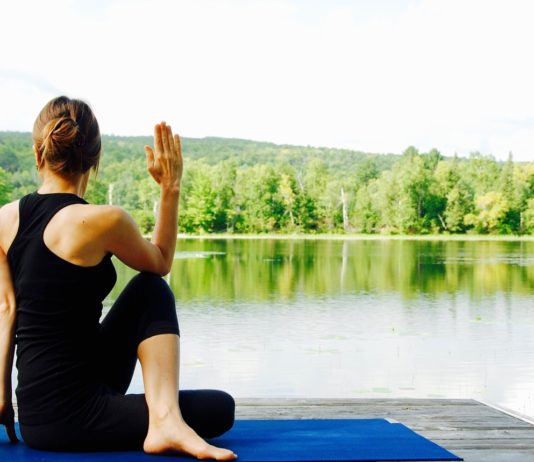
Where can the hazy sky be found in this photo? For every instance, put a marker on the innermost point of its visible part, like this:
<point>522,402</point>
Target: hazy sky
<point>371,75</point>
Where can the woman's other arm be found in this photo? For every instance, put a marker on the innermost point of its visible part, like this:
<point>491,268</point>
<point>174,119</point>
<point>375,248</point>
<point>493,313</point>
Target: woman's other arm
<point>7,346</point>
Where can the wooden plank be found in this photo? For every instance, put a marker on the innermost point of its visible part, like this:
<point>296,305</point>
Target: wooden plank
<point>475,455</point>
<point>470,429</point>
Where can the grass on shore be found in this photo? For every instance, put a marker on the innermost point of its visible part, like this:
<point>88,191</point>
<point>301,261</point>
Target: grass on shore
<point>363,237</point>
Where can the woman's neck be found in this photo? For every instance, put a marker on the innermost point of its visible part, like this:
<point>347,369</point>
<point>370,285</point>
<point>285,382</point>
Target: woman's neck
<point>53,183</point>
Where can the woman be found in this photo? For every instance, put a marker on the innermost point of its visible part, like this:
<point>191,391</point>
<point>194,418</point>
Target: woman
<point>55,270</point>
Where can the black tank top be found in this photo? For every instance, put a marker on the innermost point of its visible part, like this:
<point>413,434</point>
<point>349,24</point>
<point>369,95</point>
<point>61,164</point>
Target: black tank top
<point>58,309</point>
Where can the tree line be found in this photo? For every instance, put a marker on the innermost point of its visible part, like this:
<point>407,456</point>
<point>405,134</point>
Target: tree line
<point>241,186</point>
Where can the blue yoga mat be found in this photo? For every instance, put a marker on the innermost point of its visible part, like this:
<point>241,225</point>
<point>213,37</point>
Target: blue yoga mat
<point>336,440</point>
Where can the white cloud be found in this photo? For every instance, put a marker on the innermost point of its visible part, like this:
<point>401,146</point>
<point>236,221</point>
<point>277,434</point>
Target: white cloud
<point>442,74</point>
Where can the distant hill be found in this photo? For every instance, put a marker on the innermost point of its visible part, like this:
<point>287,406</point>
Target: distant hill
<point>16,152</point>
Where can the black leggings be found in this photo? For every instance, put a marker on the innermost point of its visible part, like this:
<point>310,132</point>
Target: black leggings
<point>111,419</point>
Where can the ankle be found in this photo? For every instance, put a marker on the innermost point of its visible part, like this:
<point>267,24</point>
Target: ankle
<point>160,413</point>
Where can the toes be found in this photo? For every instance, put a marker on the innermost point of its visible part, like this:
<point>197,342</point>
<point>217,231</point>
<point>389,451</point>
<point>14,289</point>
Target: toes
<point>212,452</point>
<point>225,454</point>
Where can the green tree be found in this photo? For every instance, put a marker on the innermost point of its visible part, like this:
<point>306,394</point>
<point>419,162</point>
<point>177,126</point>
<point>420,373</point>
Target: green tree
<point>316,179</point>
<point>365,215</point>
<point>481,172</point>
<point>408,202</point>
<point>432,158</point>
<point>8,159</point>
<point>446,176</point>
<point>528,217</point>
<point>259,202</point>
<point>491,211</point>
<point>511,223</point>
<point>524,187</point>
<point>366,171</point>
<point>384,193</point>
<point>5,187</point>
<point>198,213</point>
<point>288,197</point>
<point>23,182</point>
<point>97,192</point>
<point>224,176</point>
<point>459,204</point>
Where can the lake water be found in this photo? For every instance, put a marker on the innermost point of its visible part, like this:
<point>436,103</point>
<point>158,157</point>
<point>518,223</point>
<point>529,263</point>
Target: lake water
<point>356,319</point>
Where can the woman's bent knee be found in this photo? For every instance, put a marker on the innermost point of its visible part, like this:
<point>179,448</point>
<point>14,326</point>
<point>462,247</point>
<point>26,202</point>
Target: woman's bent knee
<point>155,304</point>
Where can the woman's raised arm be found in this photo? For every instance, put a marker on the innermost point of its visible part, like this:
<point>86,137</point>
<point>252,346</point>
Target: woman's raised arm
<point>165,165</point>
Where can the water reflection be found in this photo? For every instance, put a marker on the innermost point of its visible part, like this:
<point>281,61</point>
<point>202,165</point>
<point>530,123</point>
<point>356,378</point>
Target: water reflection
<point>356,318</point>
<point>266,269</point>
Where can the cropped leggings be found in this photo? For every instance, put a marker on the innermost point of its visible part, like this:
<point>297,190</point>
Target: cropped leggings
<point>110,419</point>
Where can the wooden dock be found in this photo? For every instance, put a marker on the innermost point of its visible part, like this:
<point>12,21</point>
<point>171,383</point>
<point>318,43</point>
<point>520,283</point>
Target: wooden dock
<point>472,430</point>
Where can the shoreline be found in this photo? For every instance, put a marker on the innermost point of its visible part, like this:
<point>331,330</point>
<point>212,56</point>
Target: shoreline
<point>362,237</point>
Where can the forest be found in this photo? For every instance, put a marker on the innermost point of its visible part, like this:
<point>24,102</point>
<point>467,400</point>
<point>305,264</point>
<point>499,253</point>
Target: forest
<point>241,186</point>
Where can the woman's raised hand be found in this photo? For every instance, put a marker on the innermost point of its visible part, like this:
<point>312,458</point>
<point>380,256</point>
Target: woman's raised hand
<point>164,162</point>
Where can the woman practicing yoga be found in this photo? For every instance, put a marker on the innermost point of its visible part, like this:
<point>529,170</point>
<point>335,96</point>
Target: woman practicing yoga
<point>55,270</point>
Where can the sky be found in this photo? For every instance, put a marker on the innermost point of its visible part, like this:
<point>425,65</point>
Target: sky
<point>376,75</point>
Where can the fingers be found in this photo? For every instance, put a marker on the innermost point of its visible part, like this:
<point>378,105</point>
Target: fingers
<point>11,434</point>
<point>170,139</point>
<point>165,160</point>
<point>158,143</point>
<point>151,164</point>
<point>149,157</point>
<point>165,137</point>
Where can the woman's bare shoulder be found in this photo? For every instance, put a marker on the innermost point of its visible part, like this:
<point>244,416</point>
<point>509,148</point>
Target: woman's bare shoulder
<point>106,215</point>
<point>9,223</point>
<point>94,215</point>
<point>10,209</point>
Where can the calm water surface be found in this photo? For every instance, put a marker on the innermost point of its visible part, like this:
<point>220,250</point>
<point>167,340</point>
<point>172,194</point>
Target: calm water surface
<point>351,319</point>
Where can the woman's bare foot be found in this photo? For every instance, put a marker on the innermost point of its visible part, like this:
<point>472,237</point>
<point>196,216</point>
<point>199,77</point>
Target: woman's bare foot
<point>172,434</point>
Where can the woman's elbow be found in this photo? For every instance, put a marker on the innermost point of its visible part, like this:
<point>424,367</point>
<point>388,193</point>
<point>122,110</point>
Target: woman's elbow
<point>7,310</point>
<point>163,272</point>
<point>163,268</point>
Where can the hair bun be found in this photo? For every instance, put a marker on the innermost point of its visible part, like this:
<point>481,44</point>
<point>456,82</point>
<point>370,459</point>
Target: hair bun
<point>61,131</point>
<point>62,140</point>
